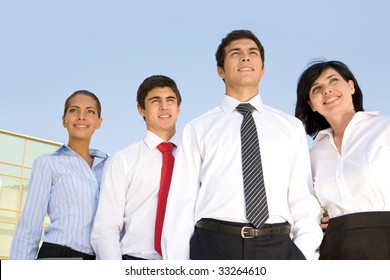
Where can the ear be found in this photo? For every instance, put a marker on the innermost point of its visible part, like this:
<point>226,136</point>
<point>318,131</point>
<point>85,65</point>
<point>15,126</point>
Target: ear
<point>352,86</point>
<point>63,122</point>
<point>99,123</point>
<point>221,72</point>
<point>140,110</point>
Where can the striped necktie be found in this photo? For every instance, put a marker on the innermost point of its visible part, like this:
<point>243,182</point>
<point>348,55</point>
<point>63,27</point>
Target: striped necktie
<point>252,170</point>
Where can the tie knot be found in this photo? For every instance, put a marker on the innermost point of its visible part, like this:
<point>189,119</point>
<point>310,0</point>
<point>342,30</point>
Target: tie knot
<point>244,108</point>
<point>165,147</point>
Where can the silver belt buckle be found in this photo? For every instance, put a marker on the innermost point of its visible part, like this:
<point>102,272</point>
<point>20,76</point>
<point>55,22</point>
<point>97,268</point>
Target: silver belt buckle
<point>243,232</point>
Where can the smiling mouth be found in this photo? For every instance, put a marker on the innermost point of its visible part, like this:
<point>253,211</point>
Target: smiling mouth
<point>245,69</point>
<point>164,117</point>
<point>331,99</point>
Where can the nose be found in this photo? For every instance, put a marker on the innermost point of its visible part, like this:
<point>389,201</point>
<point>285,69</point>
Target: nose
<point>81,115</point>
<point>164,105</point>
<point>327,90</point>
<point>245,58</point>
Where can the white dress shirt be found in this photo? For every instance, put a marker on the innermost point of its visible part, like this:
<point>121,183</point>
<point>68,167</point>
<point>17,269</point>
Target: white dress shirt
<point>126,214</point>
<point>64,186</point>
<point>358,179</point>
<point>207,179</point>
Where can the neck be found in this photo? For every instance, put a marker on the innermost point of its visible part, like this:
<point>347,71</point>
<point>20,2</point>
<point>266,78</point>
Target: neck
<point>340,123</point>
<point>242,94</point>
<point>80,147</point>
<point>167,135</point>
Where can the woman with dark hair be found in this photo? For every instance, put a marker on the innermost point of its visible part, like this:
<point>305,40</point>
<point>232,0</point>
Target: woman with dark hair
<point>64,184</point>
<point>350,159</point>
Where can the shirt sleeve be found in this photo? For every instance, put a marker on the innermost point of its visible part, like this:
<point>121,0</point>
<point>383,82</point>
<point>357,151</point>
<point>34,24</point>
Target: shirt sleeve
<point>179,219</point>
<point>108,223</point>
<point>304,206</point>
<point>29,229</point>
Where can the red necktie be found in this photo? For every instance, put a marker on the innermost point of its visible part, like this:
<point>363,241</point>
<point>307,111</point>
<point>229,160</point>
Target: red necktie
<point>165,181</point>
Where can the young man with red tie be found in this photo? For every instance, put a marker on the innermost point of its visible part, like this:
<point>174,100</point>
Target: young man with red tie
<point>136,180</point>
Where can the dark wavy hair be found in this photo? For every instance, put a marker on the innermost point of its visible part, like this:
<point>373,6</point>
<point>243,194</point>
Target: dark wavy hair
<point>313,121</point>
<point>232,36</point>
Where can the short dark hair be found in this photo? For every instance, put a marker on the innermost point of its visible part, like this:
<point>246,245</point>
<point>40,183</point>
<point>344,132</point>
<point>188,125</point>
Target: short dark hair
<point>87,93</point>
<point>156,81</point>
<point>232,36</point>
<point>313,121</point>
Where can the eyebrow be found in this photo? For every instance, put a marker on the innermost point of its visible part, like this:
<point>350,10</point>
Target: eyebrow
<point>327,78</point>
<point>237,49</point>
<point>78,107</point>
<point>159,97</point>
<point>73,106</point>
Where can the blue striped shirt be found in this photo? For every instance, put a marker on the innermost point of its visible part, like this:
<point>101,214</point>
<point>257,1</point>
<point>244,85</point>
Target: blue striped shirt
<point>64,186</point>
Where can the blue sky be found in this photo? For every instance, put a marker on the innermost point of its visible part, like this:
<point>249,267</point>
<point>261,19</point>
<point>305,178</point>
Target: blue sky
<point>49,49</point>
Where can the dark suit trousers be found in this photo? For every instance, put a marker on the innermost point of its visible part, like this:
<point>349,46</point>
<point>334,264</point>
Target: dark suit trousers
<point>208,245</point>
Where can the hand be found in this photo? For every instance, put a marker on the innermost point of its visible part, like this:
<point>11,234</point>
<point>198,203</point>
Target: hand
<point>324,221</point>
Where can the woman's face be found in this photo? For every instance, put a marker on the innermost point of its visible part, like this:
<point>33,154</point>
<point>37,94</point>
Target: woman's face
<point>81,118</point>
<point>330,94</point>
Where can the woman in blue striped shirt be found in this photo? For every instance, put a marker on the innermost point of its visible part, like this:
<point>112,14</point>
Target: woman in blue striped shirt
<point>64,184</point>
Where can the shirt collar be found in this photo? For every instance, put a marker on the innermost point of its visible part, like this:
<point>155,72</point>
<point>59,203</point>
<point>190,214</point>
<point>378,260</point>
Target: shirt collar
<point>229,104</point>
<point>356,118</point>
<point>152,140</point>
<point>96,154</point>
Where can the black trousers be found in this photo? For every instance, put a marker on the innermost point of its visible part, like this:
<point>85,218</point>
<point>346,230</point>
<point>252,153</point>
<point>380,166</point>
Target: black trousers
<point>55,251</point>
<point>358,236</point>
<point>128,258</point>
<point>208,245</point>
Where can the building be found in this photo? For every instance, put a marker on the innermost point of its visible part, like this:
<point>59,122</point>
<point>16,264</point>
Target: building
<point>17,154</point>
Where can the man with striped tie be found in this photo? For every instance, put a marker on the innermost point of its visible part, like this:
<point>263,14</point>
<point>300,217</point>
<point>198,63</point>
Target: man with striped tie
<point>242,186</point>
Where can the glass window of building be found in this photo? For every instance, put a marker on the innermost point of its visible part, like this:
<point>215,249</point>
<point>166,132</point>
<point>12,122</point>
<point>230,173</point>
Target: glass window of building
<point>17,154</point>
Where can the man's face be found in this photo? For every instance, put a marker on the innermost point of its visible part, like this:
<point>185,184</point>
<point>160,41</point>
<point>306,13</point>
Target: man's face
<point>243,65</point>
<point>161,111</point>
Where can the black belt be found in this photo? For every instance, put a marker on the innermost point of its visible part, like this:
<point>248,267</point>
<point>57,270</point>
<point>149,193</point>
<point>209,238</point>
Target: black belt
<point>52,250</point>
<point>244,230</point>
